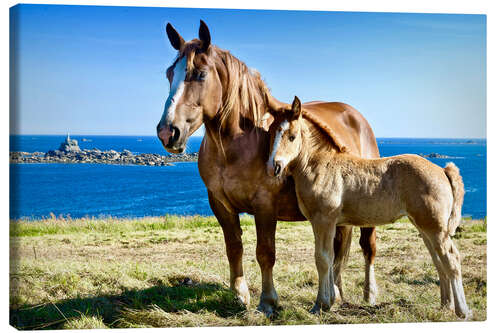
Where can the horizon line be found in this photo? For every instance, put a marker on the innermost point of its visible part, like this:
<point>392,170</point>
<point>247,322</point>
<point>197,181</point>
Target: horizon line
<point>201,136</point>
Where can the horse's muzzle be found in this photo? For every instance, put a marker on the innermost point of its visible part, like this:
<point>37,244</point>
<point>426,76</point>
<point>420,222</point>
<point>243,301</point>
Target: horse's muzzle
<point>168,135</point>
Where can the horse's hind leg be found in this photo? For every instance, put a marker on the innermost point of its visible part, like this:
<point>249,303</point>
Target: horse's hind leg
<point>450,259</point>
<point>444,283</point>
<point>324,232</point>
<point>230,224</point>
<point>368,245</point>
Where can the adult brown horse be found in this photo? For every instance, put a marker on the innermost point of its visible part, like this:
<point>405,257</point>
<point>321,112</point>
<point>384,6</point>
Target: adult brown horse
<point>210,86</point>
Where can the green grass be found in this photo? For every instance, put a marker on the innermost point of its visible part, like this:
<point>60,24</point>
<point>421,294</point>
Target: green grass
<point>117,273</point>
<point>62,225</point>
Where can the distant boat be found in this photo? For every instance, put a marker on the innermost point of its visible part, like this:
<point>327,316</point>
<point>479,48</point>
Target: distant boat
<point>86,140</point>
<point>139,140</point>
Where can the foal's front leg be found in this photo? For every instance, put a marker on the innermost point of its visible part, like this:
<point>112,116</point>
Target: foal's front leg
<point>324,233</point>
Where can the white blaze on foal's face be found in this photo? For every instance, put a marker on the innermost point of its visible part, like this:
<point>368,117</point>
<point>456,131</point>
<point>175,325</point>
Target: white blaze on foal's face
<point>285,146</point>
<point>284,126</point>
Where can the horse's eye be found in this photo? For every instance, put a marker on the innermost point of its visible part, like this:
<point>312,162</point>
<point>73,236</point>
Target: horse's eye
<point>201,76</point>
<point>291,137</point>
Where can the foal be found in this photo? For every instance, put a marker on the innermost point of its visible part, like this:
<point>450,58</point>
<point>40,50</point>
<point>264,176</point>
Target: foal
<point>338,188</point>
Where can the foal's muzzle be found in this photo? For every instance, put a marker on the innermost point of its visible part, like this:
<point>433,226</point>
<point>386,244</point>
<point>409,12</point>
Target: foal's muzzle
<point>278,166</point>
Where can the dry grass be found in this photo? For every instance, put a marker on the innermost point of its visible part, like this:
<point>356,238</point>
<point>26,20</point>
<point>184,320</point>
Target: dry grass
<point>98,273</point>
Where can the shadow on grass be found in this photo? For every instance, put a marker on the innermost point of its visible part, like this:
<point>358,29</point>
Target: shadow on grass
<point>426,280</point>
<point>193,297</point>
<point>349,309</point>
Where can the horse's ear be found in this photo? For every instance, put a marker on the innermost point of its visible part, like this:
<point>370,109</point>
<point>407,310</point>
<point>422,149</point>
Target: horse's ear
<point>204,35</point>
<point>175,39</point>
<point>296,107</point>
<point>274,106</point>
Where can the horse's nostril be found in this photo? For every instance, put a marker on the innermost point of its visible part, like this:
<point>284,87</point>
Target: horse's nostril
<point>176,133</point>
<point>164,134</point>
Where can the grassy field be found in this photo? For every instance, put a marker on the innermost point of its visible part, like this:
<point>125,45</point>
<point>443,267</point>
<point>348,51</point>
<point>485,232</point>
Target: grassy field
<point>89,273</point>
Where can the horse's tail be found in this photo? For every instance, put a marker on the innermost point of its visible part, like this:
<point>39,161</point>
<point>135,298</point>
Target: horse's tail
<point>457,188</point>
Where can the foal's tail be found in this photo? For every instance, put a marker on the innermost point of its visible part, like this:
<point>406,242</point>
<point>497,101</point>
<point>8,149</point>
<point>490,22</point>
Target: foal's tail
<point>457,188</point>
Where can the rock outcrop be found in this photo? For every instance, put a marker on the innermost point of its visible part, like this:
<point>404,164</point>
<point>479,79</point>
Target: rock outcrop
<point>69,145</point>
<point>437,155</point>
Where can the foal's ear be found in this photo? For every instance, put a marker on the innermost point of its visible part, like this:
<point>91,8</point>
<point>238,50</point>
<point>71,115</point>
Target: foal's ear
<point>175,39</point>
<point>204,35</point>
<point>296,107</point>
<point>266,121</point>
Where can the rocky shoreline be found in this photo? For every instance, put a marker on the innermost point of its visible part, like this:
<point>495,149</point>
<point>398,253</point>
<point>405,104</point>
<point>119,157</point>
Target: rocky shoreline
<point>437,155</point>
<point>70,152</point>
<point>96,156</point>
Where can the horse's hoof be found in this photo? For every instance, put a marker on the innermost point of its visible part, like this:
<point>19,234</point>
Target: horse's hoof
<point>240,289</point>
<point>244,300</point>
<point>267,309</point>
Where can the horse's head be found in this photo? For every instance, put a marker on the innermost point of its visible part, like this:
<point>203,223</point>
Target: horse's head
<point>286,138</point>
<point>195,89</point>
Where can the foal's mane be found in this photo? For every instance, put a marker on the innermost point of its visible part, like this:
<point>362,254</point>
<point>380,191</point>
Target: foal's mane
<point>317,138</point>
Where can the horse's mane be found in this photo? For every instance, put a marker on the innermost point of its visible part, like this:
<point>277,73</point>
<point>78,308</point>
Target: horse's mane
<point>245,90</point>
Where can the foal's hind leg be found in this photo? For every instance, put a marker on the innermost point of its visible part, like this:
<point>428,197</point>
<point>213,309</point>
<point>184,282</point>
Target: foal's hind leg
<point>341,247</point>
<point>450,259</point>
<point>444,283</point>
<point>368,245</point>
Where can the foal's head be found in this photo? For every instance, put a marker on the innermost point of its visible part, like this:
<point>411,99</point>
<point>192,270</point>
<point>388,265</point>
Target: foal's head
<point>195,89</point>
<point>286,138</point>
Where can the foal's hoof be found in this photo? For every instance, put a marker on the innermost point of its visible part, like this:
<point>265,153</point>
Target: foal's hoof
<point>465,316</point>
<point>338,297</point>
<point>316,309</point>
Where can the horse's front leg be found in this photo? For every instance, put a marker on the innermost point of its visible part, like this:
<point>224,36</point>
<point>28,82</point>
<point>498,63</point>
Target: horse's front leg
<point>230,223</point>
<point>265,223</point>
<point>324,233</point>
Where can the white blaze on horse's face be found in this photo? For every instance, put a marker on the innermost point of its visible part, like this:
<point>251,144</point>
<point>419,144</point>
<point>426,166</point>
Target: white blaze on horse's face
<point>277,162</point>
<point>176,90</point>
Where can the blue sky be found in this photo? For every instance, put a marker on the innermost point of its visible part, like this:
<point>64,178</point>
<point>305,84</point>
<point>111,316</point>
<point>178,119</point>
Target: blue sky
<point>101,70</point>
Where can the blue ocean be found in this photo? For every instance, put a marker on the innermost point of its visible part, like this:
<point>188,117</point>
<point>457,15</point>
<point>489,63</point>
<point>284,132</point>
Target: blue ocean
<point>79,190</point>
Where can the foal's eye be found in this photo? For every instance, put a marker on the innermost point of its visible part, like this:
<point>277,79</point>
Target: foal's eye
<point>291,137</point>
